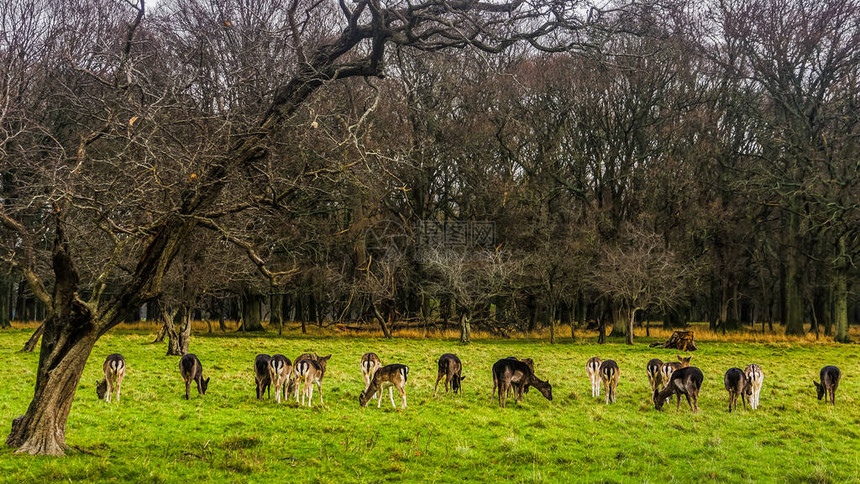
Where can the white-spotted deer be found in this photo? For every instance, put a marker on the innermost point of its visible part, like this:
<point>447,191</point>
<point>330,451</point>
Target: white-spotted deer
<point>755,378</point>
<point>114,370</point>
<point>192,370</point>
<point>510,374</point>
<point>261,375</point>
<point>370,362</point>
<point>310,373</point>
<point>391,377</point>
<point>451,369</point>
<point>280,369</point>
<point>830,376</point>
<point>592,368</point>
<point>654,370</point>
<point>736,384</point>
<point>671,366</point>
<point>685,381</point>
<point>610,374</point>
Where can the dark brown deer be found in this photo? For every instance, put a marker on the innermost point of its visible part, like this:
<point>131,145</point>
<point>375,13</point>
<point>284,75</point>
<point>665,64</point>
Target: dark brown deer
<point>391,377</point>
<point>830,376</point>
<point>655,374</point>
<point>261,375</point>
<point>370,362</point>
<point>610,374</point>
<point>451,369</point>
<point>592,368</point>
<point>511,374</point>
<point>685,381</point>
<point>191,369</point>
<point>671,366</point>
<point>280,369</point>
<point>736,384</point>
<point>114,370</point>
<point>525,386</point>
<point>310,373</point>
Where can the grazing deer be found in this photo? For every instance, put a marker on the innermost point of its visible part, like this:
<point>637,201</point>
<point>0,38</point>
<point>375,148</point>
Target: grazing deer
<point>295,379</point>
<point>755,378</point>
<point>830,376</point>
<point>610,373</point>
<point>592,368</point>
<point>451,369</point>
<point>736,384</point>
<point>370,362</point>
<point>525,386</point>
<point>280,368</point>
<point>114,370</point>
<point>391,376</point>
<point>654,369</point>
<point>261,375</point>
<point>191,369</point>
<point>511,374</point>
<point>671,366</point>
<point>685,381</point>
<point>311,372</point>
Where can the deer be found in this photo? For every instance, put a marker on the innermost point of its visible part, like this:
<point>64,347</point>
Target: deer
<point>295,380</point>
<point>655,374</point>
<point>310,372</point>
<point>755,377</point>
<point>671,366</point>
<point>592,368</point>
<point>261,375</point>
<point>685,381</point>
<point>451,368</point>
<point>390,376</point>
<point>370,363</point>
<point>737,384</point>
<point>512,374</point>
<point>609,374</point>
<point>191,369</point>
<point>527,361</point>
<point>280,368</point>
<point>830,376</point>
<point>114,370</point>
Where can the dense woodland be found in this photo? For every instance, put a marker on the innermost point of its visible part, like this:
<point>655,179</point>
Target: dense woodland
<point>332,162</point>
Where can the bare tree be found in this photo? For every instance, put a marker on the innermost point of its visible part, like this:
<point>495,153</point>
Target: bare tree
<point>642,274</point>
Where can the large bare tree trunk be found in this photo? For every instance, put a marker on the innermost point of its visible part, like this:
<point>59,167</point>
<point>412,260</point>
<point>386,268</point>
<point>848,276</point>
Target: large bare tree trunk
<point>64,353</point>
<point>252,310</point>
<point>5,299</point>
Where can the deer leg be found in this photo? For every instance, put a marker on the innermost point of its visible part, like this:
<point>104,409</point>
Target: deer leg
<point>403,396</point>
<point>677,401</point>
<point>391,395</point>
<point>187,388</point>
<point>118,387</point>
<point>311,394</point>
<point>379,400</point>
<point>689,402</point>
<point>439,377</point>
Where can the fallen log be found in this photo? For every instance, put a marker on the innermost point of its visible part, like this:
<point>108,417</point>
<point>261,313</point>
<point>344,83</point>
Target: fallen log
<point>680,340</point>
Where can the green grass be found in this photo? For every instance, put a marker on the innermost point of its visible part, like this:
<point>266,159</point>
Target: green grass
<point>154,435</point>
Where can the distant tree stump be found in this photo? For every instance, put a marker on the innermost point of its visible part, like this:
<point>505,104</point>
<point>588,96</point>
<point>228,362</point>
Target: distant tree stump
<point>680,340</point>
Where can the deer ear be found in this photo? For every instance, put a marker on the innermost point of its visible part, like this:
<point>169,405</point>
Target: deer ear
<point>326,357</point>
<point>462,378</point>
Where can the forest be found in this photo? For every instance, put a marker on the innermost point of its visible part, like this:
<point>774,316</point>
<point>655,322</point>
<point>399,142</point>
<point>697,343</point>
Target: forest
<point>501,165</point>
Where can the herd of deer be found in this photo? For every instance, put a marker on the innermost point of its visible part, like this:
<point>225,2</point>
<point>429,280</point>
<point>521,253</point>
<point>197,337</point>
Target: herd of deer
<point>510,376</point>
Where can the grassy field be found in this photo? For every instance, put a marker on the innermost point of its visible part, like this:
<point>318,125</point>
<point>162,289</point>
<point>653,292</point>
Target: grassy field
<point>154,435</point>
